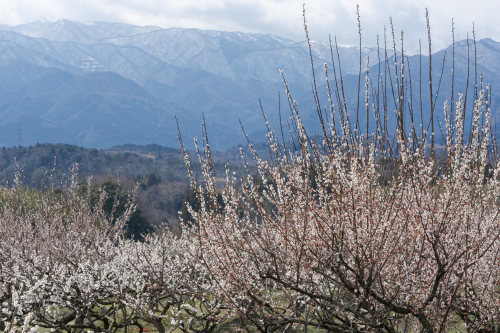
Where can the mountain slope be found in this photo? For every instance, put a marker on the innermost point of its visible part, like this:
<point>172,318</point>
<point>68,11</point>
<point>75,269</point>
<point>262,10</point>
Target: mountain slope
<point>94,109</point>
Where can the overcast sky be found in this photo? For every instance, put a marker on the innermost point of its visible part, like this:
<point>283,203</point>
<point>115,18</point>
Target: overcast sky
<point>280,17</point>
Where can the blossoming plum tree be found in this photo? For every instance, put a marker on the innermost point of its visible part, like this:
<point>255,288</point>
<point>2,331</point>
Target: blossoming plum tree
<point>353,233</point>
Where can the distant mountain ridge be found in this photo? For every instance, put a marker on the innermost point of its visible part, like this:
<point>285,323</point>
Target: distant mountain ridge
<point>105,84</point>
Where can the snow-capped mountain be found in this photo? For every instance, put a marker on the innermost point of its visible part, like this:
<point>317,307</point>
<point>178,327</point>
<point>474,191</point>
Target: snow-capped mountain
<point>159,73</point>
<point>75,32</point>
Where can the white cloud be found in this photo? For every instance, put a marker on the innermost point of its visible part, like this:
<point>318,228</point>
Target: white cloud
<point>281,17</point>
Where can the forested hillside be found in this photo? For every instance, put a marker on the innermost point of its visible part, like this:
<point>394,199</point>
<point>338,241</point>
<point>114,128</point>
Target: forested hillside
<point>158,171</point>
